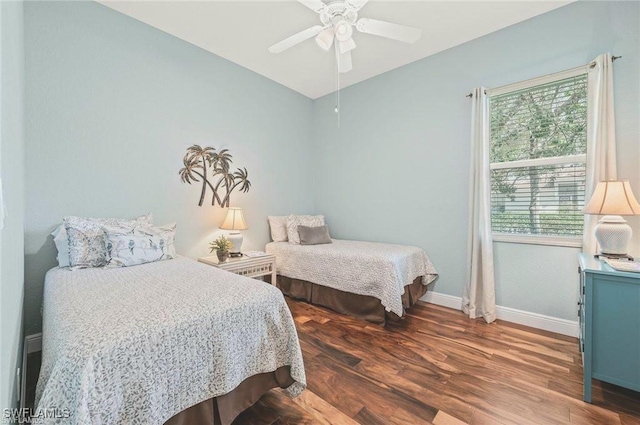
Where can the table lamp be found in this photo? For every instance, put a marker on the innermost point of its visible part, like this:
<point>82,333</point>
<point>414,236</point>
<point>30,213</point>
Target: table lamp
<point>613,199</point>
<point>234,222</point>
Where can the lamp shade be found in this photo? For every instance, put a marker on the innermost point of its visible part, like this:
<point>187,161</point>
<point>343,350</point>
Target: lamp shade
<point>234,220</point>
<point>325,38</point>
<point>613,197</point>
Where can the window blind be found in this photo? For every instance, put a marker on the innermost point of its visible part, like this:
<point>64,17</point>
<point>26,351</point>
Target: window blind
<point>538,156</point>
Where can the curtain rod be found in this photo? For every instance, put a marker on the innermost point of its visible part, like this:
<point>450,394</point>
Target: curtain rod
<point>613,59</point>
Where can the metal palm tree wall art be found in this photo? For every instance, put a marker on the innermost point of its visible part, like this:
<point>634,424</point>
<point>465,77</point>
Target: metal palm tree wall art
<point>213,170</point>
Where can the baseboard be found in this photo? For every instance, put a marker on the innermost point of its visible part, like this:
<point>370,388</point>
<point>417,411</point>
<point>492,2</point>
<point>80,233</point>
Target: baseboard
<point>443,299</point>
<point>508,314</point>
<point>33,343</point>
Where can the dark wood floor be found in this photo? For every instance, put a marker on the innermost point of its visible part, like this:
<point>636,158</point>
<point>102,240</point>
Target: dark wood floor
<point>436,366</point>
<point>439,367</point>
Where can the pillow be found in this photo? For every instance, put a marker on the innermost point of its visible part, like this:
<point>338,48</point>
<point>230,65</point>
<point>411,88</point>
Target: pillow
<point>293,221</point>
<point>61,240</point>
<point>278,225</point>
<point>86,247</point>
<point>167,232</point>
<point>140,245</point>
<point>314,235</point>
<point>86,239</point>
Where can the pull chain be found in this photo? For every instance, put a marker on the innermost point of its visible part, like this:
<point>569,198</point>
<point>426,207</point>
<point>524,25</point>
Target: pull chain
<point>337,108</point>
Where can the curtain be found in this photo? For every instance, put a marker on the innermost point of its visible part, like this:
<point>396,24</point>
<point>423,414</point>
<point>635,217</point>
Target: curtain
<point>601,138</point>
<point>479,298</point>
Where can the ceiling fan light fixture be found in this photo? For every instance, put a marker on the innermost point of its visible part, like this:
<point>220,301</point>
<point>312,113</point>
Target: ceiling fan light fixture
<point>346,46</point>
<point>338,17</point>
<point>343,30</point>
<point>325,39</point>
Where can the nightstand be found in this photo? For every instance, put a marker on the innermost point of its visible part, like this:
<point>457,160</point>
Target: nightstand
<point>246,266</point>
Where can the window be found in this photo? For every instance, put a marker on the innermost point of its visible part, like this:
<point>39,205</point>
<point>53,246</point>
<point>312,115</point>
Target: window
<point>538,156</point>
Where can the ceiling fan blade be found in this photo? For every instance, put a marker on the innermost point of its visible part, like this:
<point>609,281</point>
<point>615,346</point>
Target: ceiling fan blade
<point>295,39</point>
<point>389,30</point>
<point>344,60</point>
<point>346,46</point>
<point>315,5</point>
<point>357,4</point>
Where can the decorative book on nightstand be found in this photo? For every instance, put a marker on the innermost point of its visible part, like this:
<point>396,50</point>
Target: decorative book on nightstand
<point>609,313</point>
<point>255,266</point>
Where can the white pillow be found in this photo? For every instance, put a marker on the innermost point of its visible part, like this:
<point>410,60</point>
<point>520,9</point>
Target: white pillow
<point>62,245</point>
<point>293,221</point>
<point>139,245</point>
<point>278,225</point>
<point>167,231</point>
<point>61,236</point>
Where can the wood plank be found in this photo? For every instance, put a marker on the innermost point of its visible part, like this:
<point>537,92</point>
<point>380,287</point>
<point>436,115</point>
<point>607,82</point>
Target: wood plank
<point>324,412</point>
<point>367,417</point>
<point>629,420</point>
<point>383,398</point>
<point>402,417</point>
<point>482,418</point>
<point>443,418</point>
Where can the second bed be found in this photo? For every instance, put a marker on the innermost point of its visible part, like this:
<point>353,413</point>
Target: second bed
<point>372,281</point>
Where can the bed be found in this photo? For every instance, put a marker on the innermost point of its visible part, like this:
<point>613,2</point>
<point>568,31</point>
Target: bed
<point>372,281</point>
<point>175,342</point>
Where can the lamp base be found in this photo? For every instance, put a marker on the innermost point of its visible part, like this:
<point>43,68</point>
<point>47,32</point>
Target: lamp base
<point>613,235</point>
<point>236,240</point>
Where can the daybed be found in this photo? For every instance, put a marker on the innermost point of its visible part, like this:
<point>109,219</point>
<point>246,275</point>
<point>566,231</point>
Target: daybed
<point>372,281</point>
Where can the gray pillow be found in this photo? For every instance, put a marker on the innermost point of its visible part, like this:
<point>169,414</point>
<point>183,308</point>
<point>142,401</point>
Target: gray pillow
<point>314,235</point>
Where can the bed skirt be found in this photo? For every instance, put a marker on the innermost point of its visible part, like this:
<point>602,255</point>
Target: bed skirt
<point>363,307</point>
<point>224,409</point>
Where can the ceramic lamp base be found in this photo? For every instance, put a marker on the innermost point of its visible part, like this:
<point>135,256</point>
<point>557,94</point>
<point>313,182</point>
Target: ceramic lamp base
<point>236,240</point>
<point>613,235</point>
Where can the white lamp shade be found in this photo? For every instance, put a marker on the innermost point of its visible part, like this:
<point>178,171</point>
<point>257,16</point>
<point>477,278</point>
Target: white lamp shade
<point>325,39</point>
<point>234,220</point>
<point>613,197</point>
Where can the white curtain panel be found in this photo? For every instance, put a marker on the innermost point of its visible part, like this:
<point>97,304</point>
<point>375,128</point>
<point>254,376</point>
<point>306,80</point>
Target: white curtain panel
<point>479,298</point>
<point>601,138</point>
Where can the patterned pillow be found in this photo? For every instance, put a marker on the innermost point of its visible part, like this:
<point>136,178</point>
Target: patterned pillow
<point>139,245</point>
<point>278,225</point>
<point>86,248</point>
<point>87,239</point>
<point>293,221</point>
<point>167,232</point>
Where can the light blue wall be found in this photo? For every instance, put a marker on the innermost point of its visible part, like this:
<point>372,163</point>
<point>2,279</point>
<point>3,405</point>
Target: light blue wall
<point>111,106</point>
<point>396,169</point>
<point>112,103</point>
<point>12,173</point>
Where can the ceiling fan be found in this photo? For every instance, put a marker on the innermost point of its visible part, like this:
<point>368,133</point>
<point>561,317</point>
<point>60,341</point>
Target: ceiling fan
<point>338,19</point>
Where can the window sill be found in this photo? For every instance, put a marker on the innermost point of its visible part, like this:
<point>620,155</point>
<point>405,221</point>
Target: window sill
<point>571,242</point>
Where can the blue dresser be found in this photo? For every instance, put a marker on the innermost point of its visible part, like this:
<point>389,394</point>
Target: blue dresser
<point>609,311</point>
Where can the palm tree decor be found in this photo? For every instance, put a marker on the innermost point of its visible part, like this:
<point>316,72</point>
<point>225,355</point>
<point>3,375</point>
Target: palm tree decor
<point>212,170</point>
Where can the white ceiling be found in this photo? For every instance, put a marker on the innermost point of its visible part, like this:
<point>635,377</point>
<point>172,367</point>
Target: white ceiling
<point>241,31</point>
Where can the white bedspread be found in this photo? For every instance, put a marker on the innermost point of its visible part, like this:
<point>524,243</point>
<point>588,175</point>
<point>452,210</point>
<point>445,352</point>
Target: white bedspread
<point>366,268</point>
<point>137,345</point>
